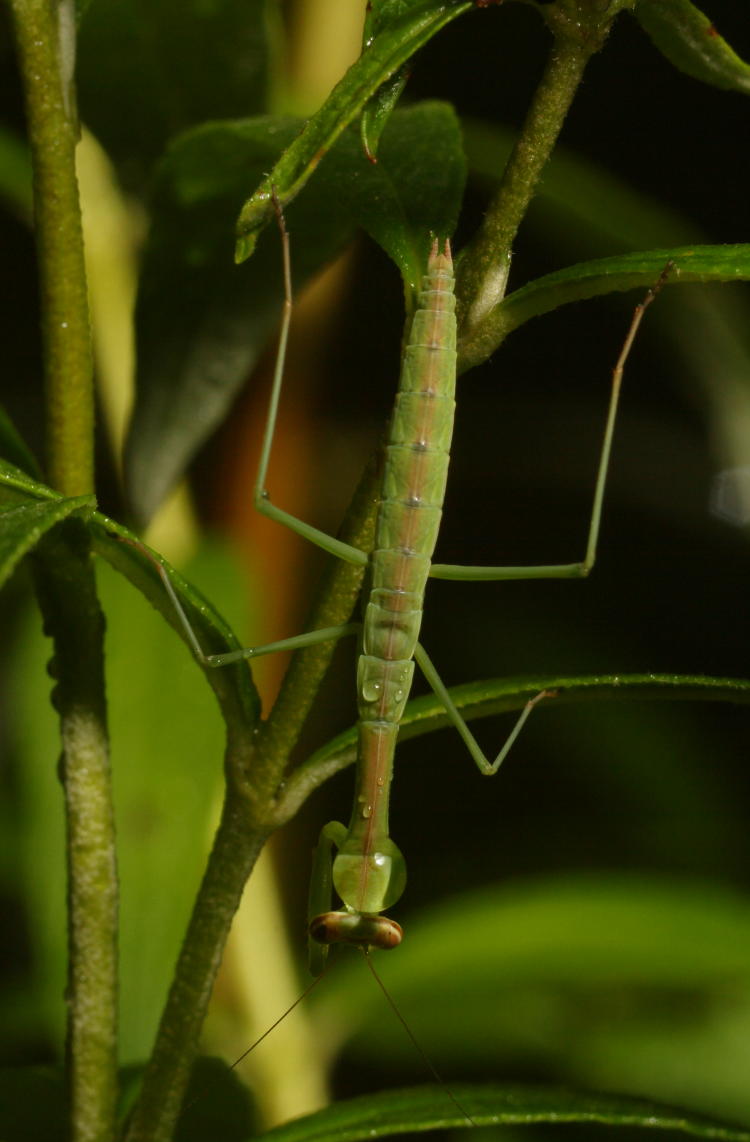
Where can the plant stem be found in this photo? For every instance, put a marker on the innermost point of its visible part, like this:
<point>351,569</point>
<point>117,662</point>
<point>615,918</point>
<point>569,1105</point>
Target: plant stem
<point>46,53</point>
<point>67,596</point>
<point>482,274</point>
<point>45,35</point>
<point>255,767</point>
<point>236,846</point>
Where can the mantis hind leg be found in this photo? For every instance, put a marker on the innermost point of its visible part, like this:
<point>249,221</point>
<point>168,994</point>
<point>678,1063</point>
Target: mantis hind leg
<point>581,569</point>
<point>552,571</point>
<point>485,766</point>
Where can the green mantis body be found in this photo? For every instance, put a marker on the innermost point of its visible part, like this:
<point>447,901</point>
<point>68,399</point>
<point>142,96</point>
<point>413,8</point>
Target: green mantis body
<point>369,871</point>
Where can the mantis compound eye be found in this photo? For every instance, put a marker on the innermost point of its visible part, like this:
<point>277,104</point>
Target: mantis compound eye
<point>355,928</point>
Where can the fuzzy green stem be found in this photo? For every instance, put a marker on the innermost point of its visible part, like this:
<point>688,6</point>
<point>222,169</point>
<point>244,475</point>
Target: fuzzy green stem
<point>44,32</point>
<point>580,30</point>
<point>67,595</point>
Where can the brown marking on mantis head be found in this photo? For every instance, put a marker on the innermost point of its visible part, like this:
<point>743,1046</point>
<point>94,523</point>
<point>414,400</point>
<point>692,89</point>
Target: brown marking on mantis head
<point>358,928</point>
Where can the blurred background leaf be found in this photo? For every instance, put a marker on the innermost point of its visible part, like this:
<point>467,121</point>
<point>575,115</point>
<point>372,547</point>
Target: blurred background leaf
<point>147,71</point>
<point>600,981</point>
<point>167,748</point>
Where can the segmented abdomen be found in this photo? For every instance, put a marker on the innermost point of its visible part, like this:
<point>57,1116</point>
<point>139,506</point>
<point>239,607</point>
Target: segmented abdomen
<point>411,500</point>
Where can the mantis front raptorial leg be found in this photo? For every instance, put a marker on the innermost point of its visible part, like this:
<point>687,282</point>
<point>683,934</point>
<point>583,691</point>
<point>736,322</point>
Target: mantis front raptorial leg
<point>369,871</point>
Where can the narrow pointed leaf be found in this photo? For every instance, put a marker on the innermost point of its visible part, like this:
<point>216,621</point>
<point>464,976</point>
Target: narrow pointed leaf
<point>233,685</point>
<point>378,111</point>
<point>417,1109</point>
<point>16,486</point>
<point>602,276</point>
<point>409,28</point>
<point>22,526</point>
<point>688,39</point>
<point>494,696</point>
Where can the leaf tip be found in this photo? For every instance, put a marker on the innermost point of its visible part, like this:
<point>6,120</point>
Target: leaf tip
<point>244,247</point>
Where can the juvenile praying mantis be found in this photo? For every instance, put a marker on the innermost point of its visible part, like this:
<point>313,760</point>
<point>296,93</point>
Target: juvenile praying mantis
<point>368,870</point>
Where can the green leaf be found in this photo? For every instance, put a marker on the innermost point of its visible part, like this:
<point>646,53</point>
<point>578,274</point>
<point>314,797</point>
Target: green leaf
<point>22,526</point>
<point>16,485</point>
<point>494,696</point>
<point>691,42</point>
<point>403,29</point>
<point>232,685</point>
<point>418,1109</point>
<point>498,695</point>
<point>378,111</point>
<point>604,275</point>
<point>607,981</point>
<point>572,930</point>
<point>385,12</point>
<point>396,205</point>
<point>123,549</point>
<point>202,322</point>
